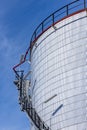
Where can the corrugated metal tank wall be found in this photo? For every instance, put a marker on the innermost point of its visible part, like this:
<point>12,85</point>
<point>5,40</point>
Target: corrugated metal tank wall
<point>59,74</point>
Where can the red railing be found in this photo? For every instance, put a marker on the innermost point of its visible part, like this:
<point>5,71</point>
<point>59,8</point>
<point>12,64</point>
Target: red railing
<point>57,15</point>
<point>64,12</point>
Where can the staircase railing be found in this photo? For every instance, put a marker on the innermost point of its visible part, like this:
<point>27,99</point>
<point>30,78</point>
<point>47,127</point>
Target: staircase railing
<point>26,104</point>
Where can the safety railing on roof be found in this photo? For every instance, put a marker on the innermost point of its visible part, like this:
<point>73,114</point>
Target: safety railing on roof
<point>65,11</point>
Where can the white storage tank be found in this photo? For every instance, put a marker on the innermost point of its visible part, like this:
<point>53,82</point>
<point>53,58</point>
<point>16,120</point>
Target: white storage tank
<point>59,73</point>
<point>55,95</point>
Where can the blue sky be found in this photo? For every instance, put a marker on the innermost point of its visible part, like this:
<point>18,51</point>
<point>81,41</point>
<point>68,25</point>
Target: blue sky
<point>18,19</point>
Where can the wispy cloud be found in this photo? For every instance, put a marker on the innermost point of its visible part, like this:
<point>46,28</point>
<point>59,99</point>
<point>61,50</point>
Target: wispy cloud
<point>11,116</point>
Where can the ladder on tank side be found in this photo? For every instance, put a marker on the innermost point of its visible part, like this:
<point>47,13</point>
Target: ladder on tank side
<point>26,104</point>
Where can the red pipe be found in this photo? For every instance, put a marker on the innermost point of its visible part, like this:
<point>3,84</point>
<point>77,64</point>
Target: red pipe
<point>14,68</point>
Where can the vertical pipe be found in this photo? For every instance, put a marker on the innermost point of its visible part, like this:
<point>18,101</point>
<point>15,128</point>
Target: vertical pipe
<point>21,78</point>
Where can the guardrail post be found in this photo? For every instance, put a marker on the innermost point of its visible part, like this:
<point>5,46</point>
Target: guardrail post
<point>67,10</point>
<point>84,4</point>
<point>35,34</point>
<point>53,19</point>
<point>42,26</point>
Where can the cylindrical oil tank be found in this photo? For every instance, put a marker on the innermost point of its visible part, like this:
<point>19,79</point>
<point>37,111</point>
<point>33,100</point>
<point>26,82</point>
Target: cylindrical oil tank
<point>59,74</point>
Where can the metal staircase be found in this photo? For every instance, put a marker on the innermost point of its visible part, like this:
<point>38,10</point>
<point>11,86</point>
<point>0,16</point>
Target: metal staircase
<point>26,103</point>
